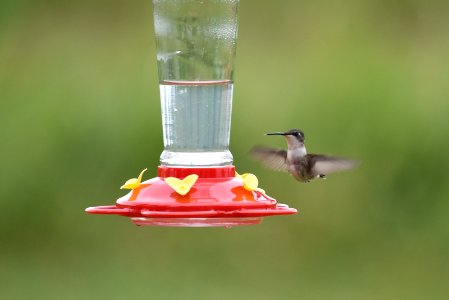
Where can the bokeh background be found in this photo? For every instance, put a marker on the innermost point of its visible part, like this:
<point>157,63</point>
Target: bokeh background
<point>80,113</point>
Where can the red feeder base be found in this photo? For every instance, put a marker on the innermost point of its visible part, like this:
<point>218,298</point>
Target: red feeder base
<point>217,198</point>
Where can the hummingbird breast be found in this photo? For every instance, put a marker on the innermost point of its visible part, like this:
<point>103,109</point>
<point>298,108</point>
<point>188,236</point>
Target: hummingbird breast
<point>299,169</point>
<point>298,164</point>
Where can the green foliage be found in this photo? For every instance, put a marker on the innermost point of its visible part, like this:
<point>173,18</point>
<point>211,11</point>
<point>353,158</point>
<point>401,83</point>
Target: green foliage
<point>80,114</point>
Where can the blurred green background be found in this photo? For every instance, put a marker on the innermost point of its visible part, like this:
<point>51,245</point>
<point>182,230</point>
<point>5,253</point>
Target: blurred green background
<point>80,114</point>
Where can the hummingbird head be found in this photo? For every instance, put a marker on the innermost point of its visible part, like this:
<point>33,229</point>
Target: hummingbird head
<point>295,137</point>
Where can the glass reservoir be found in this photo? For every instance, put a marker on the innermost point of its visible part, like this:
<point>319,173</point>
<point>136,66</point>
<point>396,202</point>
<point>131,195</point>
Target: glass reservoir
<point>196,41</point>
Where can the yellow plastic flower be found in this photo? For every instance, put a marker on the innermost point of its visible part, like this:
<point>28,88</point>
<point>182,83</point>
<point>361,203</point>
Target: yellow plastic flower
<point>183,186</point>
<point>250,182</point>
<point>133,183</point>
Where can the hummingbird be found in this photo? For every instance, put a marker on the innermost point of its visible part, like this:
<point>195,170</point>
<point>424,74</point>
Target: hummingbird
<point>295,160</point>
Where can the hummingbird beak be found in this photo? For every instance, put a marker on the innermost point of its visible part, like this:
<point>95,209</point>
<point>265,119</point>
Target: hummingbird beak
<point>276,133</point>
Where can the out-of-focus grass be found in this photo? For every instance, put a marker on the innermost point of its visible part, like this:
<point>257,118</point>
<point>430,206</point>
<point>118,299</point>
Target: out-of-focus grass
<point>79,113</point>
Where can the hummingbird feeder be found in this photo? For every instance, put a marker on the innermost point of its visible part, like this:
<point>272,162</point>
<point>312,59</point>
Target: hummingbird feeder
<point>196,184</point>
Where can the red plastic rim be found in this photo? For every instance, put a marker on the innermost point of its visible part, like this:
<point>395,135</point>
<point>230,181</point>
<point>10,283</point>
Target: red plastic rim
<point>205,172</point>
<point>196,222</point>
<point>217,198</point>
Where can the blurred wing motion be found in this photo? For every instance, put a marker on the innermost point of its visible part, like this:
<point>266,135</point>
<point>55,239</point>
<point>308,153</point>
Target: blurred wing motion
<point>322,164</point>
<point>274,159</point>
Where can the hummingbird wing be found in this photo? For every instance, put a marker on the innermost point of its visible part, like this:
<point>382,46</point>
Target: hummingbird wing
<point>323,164</point>
<point>274,159</point>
